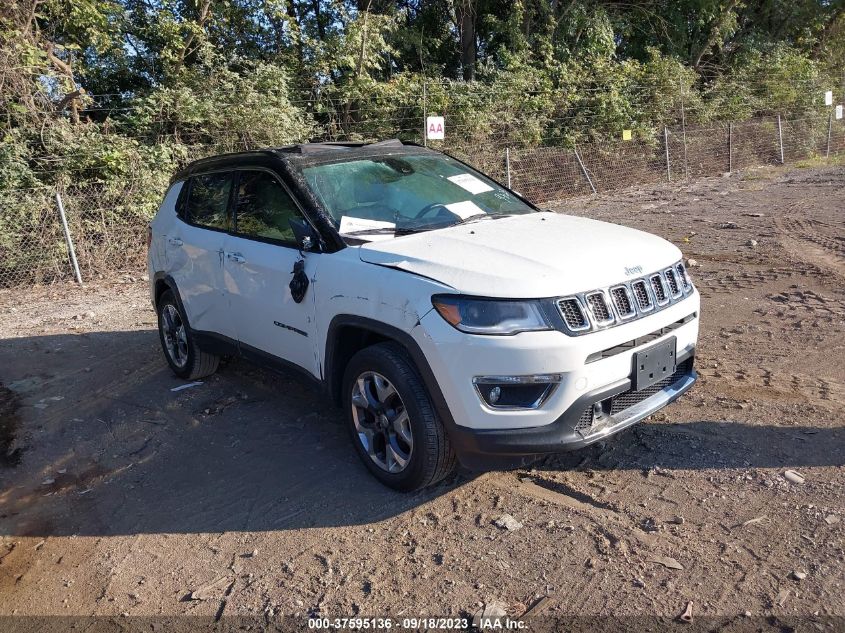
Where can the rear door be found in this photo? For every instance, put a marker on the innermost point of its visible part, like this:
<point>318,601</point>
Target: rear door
<point>195,252</point>
<point>260,254</point>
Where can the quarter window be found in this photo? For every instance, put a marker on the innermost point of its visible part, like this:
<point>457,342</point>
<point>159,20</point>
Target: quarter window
<point>208,201</point>
<point>264,209</point>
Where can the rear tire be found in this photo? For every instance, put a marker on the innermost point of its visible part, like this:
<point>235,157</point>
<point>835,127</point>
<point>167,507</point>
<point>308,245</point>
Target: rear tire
<point>183,355</point>
<point>392,423</point>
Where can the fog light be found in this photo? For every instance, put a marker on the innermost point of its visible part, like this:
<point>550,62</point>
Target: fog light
<point>516,392</point>
<point>495,394</point>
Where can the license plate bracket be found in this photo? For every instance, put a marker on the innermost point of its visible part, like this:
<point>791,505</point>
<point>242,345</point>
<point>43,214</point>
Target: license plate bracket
<point>653,364</point>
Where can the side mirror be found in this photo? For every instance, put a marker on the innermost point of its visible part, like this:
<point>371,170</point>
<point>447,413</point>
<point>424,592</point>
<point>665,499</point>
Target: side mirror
<point>304,234</point>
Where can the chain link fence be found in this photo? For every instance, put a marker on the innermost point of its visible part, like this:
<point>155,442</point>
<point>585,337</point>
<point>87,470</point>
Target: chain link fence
<point>548,174</point>
<point>108,228</point>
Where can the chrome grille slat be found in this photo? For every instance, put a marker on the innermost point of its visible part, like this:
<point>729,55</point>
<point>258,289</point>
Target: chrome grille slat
<point>643,296</point>
<point>610,306</point>
<point>672,281</point>
<point>623,302</point>
<point>658,285</point>
<point>573,314</point>
<point>599,308</point>
<point>682,273</point>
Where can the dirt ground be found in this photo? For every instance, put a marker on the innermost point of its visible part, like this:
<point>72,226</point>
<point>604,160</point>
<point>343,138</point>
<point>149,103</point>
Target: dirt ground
<point>243,497</point>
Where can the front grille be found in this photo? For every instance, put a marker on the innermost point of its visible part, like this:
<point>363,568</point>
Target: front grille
<point>627,399</point>
<point>674,289</point>
<point>586,420</point>
<point>622,301</point>
<point>599,307</point>
<point>641,293</point>
<point>572,314</point>
<point>609,306</point>
<point>659,288</point>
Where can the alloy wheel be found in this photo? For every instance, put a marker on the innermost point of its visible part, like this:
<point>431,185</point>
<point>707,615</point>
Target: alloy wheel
<point>175,335</point>
<point>382,422</point>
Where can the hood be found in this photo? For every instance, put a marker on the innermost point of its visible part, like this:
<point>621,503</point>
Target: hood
<point>526,256</point>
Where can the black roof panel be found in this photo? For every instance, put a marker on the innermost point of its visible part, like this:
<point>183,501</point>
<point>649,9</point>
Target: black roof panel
<point>302,153</point>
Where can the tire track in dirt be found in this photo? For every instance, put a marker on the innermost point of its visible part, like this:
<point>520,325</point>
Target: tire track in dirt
<point>806,239</point>
<point>740,381</point>
<point>748,280</point>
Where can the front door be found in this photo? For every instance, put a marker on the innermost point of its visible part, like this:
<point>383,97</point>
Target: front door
<point>259,258</point>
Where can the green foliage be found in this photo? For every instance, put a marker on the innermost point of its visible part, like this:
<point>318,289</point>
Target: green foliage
<point>115,94</point>
<point>780,80</point>
<point>242,105</point>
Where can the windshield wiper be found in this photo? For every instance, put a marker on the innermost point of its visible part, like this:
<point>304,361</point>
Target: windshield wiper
<point>385,230</point>
<point>480,216</point>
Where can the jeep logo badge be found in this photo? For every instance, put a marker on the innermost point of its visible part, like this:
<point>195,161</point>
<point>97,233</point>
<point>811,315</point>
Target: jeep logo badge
<point>633,270</point>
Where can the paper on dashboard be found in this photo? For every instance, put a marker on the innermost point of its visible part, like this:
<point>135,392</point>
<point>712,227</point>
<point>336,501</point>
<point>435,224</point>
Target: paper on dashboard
<point>470,183</point>
<point>465,209</point>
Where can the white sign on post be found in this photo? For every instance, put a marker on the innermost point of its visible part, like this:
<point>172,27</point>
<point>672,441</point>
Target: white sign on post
<point>435,128</point>
<point>838,112</point>
<point>828,97</point>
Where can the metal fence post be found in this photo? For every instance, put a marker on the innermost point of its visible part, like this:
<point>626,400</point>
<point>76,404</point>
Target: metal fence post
<point>780,140</point>
<point>508,165</point>
<point>666,144</point>
<point>730,148</point>
<point>684,131</point>
<point>68,240</point>
<point>584,169</point>
<point>425,118</point>
<point>829,130</point>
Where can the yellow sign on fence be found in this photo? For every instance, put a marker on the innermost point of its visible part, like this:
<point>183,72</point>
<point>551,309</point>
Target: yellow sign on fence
<point>626,135</point>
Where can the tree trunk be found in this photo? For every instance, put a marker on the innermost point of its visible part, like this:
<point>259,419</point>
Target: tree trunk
<point>715,33</point>
<point>72,98</point>
<point>363,49</point>
<point>318,18</point>
<point>465,10</point>
<point>204,10</point>
<point>295,31</point>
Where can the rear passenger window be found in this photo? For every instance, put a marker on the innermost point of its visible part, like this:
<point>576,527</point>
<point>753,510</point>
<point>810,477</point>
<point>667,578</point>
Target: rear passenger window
<point>182,201</point>
<point>208,200</point>
<point>264,208</point>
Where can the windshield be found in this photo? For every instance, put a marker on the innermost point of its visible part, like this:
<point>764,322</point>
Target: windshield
<point>381,197</point>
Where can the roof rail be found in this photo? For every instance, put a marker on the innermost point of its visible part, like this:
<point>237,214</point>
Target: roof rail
<point>323,146</point>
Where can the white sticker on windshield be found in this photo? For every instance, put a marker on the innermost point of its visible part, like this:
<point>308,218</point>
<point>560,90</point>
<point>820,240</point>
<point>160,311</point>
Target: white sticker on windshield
<point>349,224</point>
<point>470,183</point>
<point>465,209</point>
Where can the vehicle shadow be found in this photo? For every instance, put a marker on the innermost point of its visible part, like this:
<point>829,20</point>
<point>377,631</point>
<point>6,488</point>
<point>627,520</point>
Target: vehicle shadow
<point>96,443</point>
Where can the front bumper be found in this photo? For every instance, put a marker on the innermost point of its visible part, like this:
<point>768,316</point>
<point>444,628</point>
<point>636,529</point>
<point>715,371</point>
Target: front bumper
<point>485,449</point>
<point>486,437</point>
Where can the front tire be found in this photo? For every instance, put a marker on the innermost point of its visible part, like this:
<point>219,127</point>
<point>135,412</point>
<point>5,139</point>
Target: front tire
<point>183,355</point>
<point>392,422</point>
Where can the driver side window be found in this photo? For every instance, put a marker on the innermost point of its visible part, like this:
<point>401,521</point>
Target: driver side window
<point>263,208</point>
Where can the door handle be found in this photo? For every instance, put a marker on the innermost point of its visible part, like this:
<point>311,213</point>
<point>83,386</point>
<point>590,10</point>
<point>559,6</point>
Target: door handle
<point>175,241</point>
<point>236,257</point>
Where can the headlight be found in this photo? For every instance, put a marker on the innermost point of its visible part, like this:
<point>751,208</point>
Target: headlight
<point>490,316</point>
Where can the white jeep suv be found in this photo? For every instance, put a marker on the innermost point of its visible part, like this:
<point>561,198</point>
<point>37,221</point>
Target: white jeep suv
<point>450,318</point>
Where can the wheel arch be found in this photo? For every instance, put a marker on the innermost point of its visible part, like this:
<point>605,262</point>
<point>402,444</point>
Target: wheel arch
<point>161,284</point>
<point>348,334</point>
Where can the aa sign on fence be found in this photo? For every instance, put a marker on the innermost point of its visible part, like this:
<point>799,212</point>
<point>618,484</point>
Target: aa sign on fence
<point>435,128</point>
